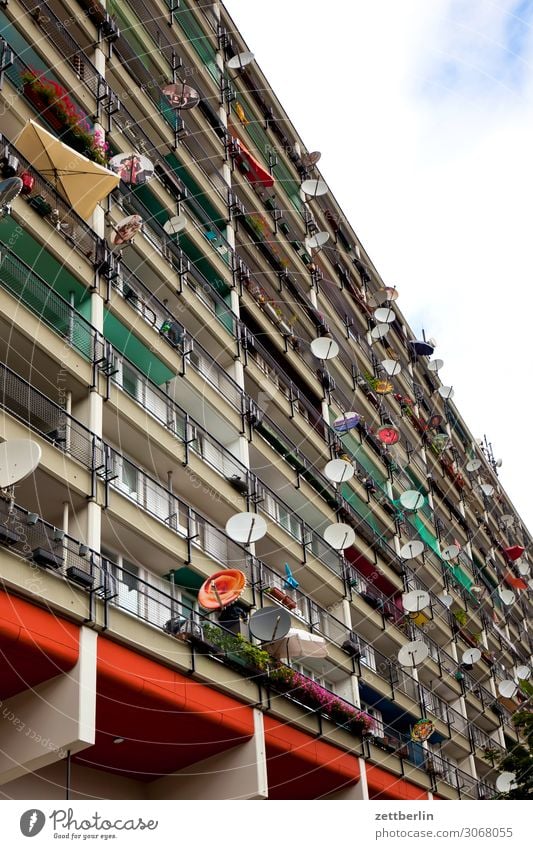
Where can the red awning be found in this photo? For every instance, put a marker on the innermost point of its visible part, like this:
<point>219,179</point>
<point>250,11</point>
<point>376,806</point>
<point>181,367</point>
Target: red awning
<point>254,171</point>
<point>513,581</point>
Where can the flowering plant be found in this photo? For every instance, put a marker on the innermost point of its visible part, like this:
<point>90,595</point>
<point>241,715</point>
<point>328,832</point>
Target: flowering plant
<point>78,130</point>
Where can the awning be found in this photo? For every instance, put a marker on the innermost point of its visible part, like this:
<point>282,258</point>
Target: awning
<point>253,170</point>
<point>299,645</point>
<point>81,182</point>
<point>513,581</point>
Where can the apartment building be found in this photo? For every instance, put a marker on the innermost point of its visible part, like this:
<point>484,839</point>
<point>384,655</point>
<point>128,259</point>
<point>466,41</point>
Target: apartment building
<point>229,349</point>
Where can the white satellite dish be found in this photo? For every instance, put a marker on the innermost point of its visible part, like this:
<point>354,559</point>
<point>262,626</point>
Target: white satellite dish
<point>176,224</point>
<point>339,536</point>
<point>18,460</point>
<point>450,552</point>
<point>384,315</point>
<point>411,549</point>
<point>435,365</point>
<point>530,583</point>
<point>507,688</point>
<point>505,781</point>
<point>487,489</point>
<point>415,600</point>
<point>240,60</point>
<point>246,527</point>
<point>507,520</point>
<point>446,392</point>
<point>339,471</point>
<point>447,600</point>
<point>524,568</point>
<point>317,241</point>
<point>324,348</point>
<point>381,296</point>
<point>379,331</point>
<point>522,672</point>
<point>314,188</point>
<point>471,656</point>
<point>411,499</point>
<point>392,367</point>
<point>411,654</point>
<point>473,465</point>
<point>507,596</point>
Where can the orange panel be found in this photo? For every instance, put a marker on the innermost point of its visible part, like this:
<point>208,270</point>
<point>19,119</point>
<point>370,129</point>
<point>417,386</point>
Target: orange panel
<point>386,785</point>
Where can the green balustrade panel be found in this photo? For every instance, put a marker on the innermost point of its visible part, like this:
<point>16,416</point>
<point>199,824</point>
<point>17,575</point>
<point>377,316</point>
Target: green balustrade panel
<point>128,344</point>
<point>212,216</point>
<point>362,509</point>
<point>196,37</point>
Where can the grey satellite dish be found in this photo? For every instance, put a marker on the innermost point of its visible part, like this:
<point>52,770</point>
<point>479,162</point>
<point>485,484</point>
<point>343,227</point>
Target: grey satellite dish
<point>380,331</point>
<point>339,536</point>
<point>309,160</point>
<point>18,460</point>
<point>246,527</point>
<point>507,596</point>
<point>411,549</point>
<point>269,624</point>
<point>473,465</point>
<point>384,315</point>
<point>450,552</point>
<point>447,600</point>
<point>392,367</point>
<point>487,489</point>
<point>314,188</point>
<point>240,60</point>
<point>435,365</point>
<point>9,190</point>
<point>471,656</point>
<point>339,471</point>
<point>446,392</point>
<point>176,224</point>
<point>415,600</point>
<point>411,499</point>
<point>411,654</point>
<point>317,241</point>
<point>507,520</point>
<point>324,348</point>
<point>523,672</point>
<point>524,568</point>
<point>507,688</point>
<point>506,781</point>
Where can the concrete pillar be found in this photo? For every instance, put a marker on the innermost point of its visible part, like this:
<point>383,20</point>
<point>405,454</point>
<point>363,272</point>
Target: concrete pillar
<point>41,725</point>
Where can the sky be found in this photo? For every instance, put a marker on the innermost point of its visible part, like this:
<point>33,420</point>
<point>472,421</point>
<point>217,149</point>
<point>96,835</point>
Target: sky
<point>423,112</point>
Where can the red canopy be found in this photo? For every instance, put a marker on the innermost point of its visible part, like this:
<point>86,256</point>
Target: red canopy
<point>256,172</point>
<point>513,581</point>
<point>514,552</point>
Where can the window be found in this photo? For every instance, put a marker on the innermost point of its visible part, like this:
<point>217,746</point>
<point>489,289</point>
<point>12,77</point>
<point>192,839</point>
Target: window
<point>377,716</point>
<point>368,657</point>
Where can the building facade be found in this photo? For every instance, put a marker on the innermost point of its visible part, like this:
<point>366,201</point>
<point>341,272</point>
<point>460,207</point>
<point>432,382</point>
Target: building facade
<point>171,382</point>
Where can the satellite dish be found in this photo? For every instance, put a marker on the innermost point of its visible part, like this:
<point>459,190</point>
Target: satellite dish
<point>270,623</point>
<point>415,600</point>
<point>175,225</point>
<point>507,596</point>
<point>471,656</point>
<point>240,60</point>
<point>246,527</point>
<point>523,672</point>
<point>181,96</point>
<point>382,296</point>
<point>411,499</point>
<point>450,552</point>
<point>507,520</point>
<point>346,422</point>
<point>524,568</point>
<point>18,460</point>
<point>392,367</point>
<point>388,435</point>
<point>9,189</point>
<point>411,549</point>
<point>339,471</point>
<point>446,392</point>
<point>421,347</point>
<point>505,781</point>
<point>434,421</point>
<point>324,348</point>
<point>530,583</point>
<point>383,387</point>
<point>339,536</point>
<point>507,688</point>
<point>435,365</point>
<point>132,168</point>
<point>309,160</point>
<point>384,315</point>
<point>487,489</point>
<point>411,654</point>
<point>222,589</point>
<point>473,465</point>
<point>314,188</point>
<point>317,241</point>
<point>126,229</point>
<point>379,331</point>
<point>447,600</point>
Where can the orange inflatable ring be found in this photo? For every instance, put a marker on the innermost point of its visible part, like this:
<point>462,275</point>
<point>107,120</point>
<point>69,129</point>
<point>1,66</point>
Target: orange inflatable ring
<point>221,589</point>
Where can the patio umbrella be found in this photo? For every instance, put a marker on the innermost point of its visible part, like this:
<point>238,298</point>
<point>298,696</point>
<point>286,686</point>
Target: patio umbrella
<point>81,182</point>
<point>299,644</point>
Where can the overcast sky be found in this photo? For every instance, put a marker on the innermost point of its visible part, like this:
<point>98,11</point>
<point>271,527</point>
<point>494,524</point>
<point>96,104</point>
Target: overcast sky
<point>423,111</point>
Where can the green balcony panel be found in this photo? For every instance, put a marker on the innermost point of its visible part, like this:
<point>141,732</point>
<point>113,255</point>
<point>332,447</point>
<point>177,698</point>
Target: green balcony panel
<point>212,216</point>
<point>196,37</point>
<point>124,341</point>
